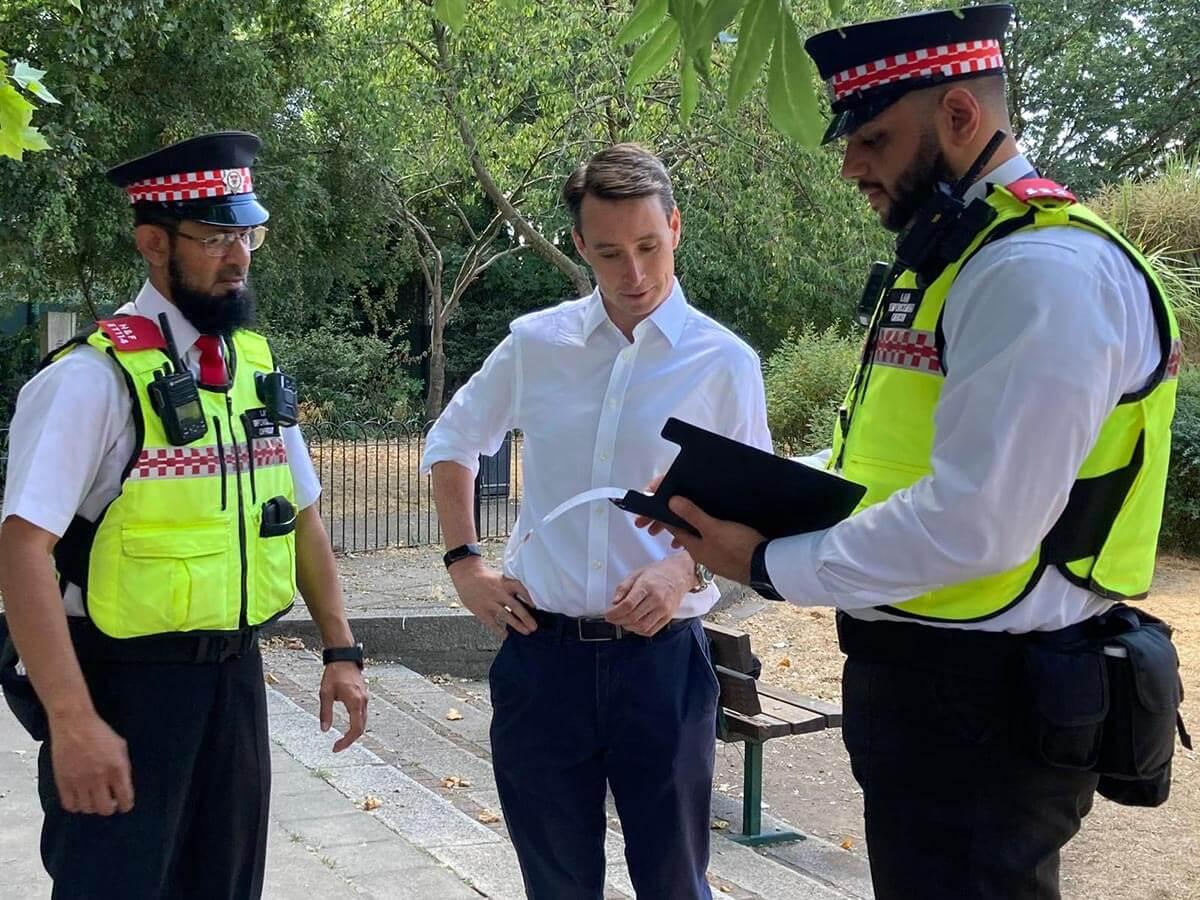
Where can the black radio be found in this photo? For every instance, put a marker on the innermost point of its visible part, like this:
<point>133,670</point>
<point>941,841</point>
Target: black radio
<point>174,396</point>
<point>277,392</point>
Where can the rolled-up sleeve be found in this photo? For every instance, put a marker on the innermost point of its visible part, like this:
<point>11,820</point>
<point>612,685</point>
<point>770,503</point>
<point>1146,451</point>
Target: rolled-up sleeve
<point>479,415</point>
<point>304,476</point>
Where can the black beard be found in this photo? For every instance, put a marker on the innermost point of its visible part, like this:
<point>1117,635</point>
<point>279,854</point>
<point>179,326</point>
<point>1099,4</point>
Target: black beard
<point>917,183</point>
<point>211,313</point>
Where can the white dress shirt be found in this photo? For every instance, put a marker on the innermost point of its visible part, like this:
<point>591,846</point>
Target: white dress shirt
<point>72,433</point>
<point>1045,330</point>
<point>591,406</point>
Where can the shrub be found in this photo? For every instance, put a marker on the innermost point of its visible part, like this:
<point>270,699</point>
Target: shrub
<point>806,379</point>
<point>1181,515</point>
<point>344,376</point>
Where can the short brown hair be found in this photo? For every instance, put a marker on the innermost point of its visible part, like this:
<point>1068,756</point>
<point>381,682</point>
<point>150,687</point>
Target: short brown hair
<point>619,172</point>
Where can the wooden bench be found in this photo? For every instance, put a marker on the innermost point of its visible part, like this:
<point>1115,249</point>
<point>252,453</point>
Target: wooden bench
<point>754,713</point>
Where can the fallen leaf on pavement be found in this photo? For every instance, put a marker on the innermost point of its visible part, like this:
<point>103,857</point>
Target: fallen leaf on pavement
<point>454,715</point>
<point>454,781</point>
<point>272,678</point>
<point>785,663</point>
<point>847,844</point>
<point>487,817</point>
<point>371,802</point>
<point>719,824</point>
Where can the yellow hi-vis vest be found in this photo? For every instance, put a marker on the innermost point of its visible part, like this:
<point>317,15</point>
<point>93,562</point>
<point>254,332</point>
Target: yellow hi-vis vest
<point>1106,538</point>
<point>180,549</point>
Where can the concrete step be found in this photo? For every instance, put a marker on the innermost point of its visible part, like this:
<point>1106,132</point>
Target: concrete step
<point>409,732</point>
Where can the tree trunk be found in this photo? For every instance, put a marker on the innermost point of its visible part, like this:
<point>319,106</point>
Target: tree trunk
<point>435,395</point>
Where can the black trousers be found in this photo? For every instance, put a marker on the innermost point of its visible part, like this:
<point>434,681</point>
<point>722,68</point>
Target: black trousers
<point>198,747</point>
<point>636,715</point>
<point>957,806</point>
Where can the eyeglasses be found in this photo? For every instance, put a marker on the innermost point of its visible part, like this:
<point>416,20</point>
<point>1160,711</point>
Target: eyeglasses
<point>217,245</point>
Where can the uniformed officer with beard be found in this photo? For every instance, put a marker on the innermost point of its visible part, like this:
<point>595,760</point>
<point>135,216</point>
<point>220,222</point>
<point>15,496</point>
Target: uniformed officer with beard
<point>179,521</point>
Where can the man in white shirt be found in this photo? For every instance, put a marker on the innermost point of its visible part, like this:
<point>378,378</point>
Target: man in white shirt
<point>1011,422</point>
<point>604,677</point>
<point>170,548</point>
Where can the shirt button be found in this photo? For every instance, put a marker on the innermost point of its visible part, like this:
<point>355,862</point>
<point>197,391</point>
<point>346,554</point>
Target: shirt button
<point>612,404</point>
<point>599,509</point>
<point>625,354</point>
<point>597,565</point>
<point>603,457</point>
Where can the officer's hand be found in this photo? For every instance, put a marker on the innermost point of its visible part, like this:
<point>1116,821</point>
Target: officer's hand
<point>649,598</point>
<point>495,599</point>
<point>343,681</point>
<point>91,765</point>
<point>725,547</point>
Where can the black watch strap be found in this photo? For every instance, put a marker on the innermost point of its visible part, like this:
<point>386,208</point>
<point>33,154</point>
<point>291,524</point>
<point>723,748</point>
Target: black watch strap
<point>343,654</point>
<point>454,555</point>
<point>760,579</point>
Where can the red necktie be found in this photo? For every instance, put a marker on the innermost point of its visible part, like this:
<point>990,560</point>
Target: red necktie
<point>212,365</point>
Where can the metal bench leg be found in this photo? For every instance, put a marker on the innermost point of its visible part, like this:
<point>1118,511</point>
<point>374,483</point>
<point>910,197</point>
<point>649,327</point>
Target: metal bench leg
<point>752,803</point>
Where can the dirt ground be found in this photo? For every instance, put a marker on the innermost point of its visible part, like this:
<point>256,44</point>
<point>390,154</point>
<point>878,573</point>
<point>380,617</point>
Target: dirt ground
<point>1121,853</point>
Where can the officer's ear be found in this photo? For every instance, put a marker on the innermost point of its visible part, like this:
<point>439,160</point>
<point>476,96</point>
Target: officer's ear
<point>154,243</point>
<point>959,117</point>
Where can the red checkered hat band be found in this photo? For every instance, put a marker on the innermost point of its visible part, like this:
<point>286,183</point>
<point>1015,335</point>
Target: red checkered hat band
<point>948,60</point>
<point>191,186</point>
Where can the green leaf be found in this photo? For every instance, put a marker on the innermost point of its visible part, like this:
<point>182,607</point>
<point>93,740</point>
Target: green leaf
<point>451,12</point>
<point>689,91</point>
<point>836,7</point>
<point>75,3</point>
<point>645,19</point>
<point>15,115</point>
<point>32,139</point>
<point>38,90</point>
<point>756,33</point>
<point>653,55</point>
<point>23,74</point>
<point>684,12</point>
<point>791,94</point>
<point>717,14</point>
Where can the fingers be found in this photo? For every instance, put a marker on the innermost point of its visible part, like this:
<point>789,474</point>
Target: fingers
<point>519,618</point>
<point>625,612</point>
<point>689,512</point>
<point>356,709</point>
<point>326,697</point>
<point>123,785</point>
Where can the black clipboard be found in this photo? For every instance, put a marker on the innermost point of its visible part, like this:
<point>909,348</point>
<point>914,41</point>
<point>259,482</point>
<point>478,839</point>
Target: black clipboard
<point>729,480</point>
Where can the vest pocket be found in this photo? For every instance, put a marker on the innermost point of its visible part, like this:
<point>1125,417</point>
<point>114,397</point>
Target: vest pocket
<point>163,568</point>
<point>275,569</point>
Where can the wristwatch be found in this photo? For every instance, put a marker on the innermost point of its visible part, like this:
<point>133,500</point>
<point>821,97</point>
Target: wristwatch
<point>760,580</point>
<point>704,577</point>
<point>454,555</point>
<point>343,654</point>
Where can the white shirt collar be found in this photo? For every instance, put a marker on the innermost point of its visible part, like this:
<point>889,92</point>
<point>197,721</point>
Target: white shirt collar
<point>669,317</point>
<point>1004,174</point>
<point>149,303</point>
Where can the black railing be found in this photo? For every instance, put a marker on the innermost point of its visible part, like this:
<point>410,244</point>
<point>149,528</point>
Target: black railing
<point>3,458</point>
<point>374,496</point>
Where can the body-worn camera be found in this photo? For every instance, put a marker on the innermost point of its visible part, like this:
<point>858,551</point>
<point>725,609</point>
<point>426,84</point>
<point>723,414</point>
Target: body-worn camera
<point>277,393</point>
<point>174,396</point>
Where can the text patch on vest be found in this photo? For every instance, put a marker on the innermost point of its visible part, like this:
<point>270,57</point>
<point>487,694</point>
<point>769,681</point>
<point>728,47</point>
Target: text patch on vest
<point>900,307</point>
<point>259,424</point>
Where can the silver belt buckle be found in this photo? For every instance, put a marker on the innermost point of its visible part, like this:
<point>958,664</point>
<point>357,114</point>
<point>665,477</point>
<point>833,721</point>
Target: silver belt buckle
<point>592,640</point>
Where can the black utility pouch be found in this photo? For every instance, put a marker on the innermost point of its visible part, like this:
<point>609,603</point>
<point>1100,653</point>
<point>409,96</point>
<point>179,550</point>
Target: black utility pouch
<point>278,517</point>
<point>1069,687</point>
<point>1145,691</point>
<point>18,690</point>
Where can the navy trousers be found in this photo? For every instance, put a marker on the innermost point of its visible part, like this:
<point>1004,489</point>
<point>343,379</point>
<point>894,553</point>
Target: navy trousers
<point>201,762</point>
<point>636,715</point>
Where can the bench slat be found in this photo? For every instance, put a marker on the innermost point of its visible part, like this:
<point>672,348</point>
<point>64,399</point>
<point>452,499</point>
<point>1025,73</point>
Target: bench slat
<point>730,648</point>
<point>831,711</point>
<point>738,692</point>
<point>802,721</point>
<point>758,728</point>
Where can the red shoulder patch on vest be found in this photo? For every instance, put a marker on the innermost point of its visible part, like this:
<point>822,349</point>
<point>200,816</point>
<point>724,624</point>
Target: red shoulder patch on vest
<point>133,333</point>
<point>1039,189</point>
